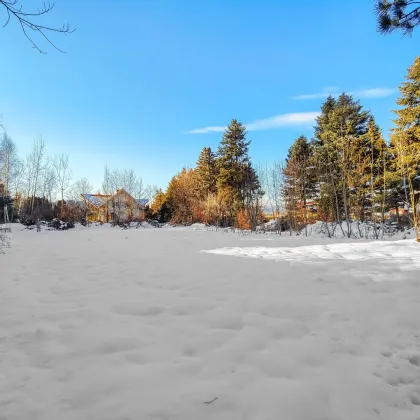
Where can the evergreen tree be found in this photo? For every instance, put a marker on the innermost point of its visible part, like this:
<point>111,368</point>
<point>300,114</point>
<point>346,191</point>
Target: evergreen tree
<point>394,15</point>
<point>379,161</point>
<point>323,120</point>
<point>365,169</point>
<point>160,208</point>
<point>205,173</point>
<point>164,213</point>
<point>237,181</point>
<point>299,180</point>
<point>340,146</point>
<point>406,139</point>
<point>231,156</point>
<point>252,194</point>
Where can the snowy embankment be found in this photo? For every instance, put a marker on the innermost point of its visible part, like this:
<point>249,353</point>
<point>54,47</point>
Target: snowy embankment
<point>111,324</point>
<point>382,255</point>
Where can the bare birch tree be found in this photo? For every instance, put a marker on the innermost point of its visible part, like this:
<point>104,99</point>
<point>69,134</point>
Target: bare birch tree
<point>106,183</point>
<point>36,163</point>
<point>63,175</point>
<point>9,161</point>
<point>275,191</point>
<point>80,187</point>
<point>49,181</point>
<point>77,189</point>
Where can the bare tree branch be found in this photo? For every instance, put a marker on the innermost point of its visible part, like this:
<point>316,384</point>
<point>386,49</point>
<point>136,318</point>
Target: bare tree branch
<point>24,18</point>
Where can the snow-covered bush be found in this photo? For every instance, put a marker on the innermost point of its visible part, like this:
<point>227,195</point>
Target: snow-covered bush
<point>60,225</point>
<point>28,220</point>
<point>275,225</point>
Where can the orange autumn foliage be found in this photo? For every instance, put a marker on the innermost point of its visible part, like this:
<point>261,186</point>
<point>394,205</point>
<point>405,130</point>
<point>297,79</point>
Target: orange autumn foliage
<point>242,220</point>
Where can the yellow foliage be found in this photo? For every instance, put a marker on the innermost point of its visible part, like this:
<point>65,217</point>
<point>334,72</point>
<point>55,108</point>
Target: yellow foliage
<point>158,200</point>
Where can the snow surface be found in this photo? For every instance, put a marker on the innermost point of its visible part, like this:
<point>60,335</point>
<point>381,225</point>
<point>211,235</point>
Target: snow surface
<point>383,255</point>
<point>104,323</point>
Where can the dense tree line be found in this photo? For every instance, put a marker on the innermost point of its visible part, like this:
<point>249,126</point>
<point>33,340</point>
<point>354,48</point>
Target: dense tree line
<point>345,173</point>
<point>348,172</point>
<point>223,189</point>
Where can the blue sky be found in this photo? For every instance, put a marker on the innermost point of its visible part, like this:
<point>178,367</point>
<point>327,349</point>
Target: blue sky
<point>147,84</point>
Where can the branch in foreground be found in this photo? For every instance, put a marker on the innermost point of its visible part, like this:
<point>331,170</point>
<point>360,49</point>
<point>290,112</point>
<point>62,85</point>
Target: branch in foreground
<point>395,15</point>
<point>25,19</point>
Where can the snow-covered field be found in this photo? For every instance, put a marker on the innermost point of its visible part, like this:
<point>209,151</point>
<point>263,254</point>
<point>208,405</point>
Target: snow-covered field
<point>107,324</point>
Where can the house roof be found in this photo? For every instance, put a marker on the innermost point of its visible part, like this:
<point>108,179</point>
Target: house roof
<point>96,199</point>
<point>142,201</point>
<point>99,200</point>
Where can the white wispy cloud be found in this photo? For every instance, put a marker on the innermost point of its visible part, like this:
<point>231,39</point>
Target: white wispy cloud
<point>282,120</point>
<point>379,92</point>
<point>375,92</point>
<point>333,91</point>
<point>204,130</point>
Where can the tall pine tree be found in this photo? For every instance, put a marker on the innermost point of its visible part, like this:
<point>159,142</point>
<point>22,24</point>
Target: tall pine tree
<point>403,15</point>
<point>236,179</point>
<point>299,181</point>
<point>340,141</point>
<point>205,173</point>
<point>406,139</point>
<point>379,160</point>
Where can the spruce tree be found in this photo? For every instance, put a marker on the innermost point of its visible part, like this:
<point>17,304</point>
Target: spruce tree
<point>160,208</point>
<point>205,173</point>
<point>340,140</point>
<point>237,181</point>
<point>231,155</point>
<point>406,139</point>
<point>323,121</point>
<point>379,161</point>
<point>299,180</point>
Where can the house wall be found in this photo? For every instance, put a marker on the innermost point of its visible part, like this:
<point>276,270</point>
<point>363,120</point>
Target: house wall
<point>119,208</point>
<point>98,214</point>
<point>124,207</point>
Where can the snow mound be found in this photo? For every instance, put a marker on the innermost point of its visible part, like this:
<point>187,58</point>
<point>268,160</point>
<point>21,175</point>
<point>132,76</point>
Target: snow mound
<point>198,226</point>
<point>403,254</point>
